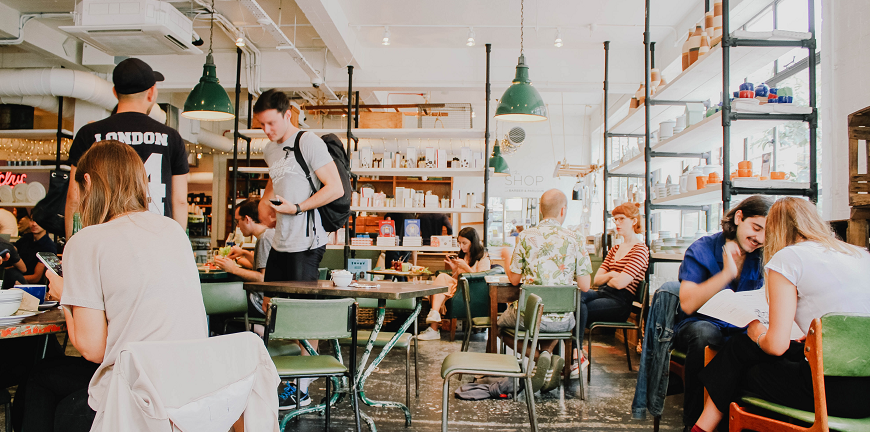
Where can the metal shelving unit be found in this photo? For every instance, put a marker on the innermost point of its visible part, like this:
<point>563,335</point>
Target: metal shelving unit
<point>694,84</point>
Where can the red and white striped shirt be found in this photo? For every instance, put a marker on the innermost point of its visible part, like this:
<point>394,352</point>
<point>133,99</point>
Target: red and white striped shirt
<point>634,264</point>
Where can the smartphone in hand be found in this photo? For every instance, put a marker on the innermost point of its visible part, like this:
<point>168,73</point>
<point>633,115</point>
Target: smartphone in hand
<point>276,202</point>
<point>51,261</point>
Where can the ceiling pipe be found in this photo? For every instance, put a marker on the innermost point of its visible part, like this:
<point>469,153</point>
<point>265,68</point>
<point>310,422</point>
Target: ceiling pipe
<point>42,102</point>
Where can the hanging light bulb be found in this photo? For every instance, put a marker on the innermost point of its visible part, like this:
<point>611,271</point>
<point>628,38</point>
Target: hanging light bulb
<point>472,114</point>
<point>241,41</point>
<point>470,36</point>
<point>558,42</point>
<point>385,35</point>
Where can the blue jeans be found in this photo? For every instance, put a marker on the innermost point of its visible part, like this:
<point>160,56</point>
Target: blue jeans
<point>604,305</point>
<point>691,338</point>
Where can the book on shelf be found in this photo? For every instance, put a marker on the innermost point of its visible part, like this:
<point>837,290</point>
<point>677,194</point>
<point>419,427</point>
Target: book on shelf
<point>412,228</point>
<point>387,228</point>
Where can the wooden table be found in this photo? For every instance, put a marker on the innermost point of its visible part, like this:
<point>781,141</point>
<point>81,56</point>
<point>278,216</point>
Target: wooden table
<point>43,323</point>
<point>395,273</point>
<point>500,291</point>
<point>385,291</point>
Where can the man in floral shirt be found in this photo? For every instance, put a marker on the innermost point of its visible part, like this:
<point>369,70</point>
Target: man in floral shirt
<point>549,254</point>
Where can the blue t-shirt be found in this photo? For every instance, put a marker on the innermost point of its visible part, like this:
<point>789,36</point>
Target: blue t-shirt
<point>704,259</point>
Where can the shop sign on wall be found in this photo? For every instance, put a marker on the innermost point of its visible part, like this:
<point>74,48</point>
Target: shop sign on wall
<point>520,184</point>
<point>12,179</point>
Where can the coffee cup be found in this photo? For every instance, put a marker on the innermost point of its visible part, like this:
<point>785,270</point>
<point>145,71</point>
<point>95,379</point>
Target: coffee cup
<point>38,291</point>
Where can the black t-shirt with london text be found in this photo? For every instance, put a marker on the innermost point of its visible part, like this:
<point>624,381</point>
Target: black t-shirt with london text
<point>160,147</point>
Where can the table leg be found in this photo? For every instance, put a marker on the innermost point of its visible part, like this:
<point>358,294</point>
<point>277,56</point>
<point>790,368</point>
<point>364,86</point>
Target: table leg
<point>492,345</point>
<point>368,369</point>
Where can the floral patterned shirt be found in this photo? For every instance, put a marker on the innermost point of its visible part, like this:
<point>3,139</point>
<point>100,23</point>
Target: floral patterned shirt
<point>549,254</point>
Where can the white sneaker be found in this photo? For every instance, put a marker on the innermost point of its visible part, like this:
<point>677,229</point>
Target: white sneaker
<point>433,316</point>
<point>575,371</point>
<point>429,334</point>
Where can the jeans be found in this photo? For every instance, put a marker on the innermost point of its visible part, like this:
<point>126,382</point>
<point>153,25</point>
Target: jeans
<point>741,368</point>
<point>605,304</point>
<point>654,373</point>
<point>691,338</point>
<point>55,397</point>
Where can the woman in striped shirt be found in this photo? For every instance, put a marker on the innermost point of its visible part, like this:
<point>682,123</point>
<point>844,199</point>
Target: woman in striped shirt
<point>620,274</point>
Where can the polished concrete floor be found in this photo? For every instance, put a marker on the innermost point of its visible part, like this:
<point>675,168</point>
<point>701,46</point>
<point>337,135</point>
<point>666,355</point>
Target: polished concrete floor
<point>608,407</point>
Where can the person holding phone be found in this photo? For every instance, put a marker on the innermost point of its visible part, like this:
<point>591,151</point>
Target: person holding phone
<point>143,287</point>
<point>471,258</point>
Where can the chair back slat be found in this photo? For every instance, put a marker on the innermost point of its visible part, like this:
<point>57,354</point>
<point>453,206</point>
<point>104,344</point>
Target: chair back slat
<point>642,292</point>
<point>533,315</point>
<point>311,319</point>
<point>478,292</point>
<point>556,298</point>
<point>846,344</point>
<point>224,298</point>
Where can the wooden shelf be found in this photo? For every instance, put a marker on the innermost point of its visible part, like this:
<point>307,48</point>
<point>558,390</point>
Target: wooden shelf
<point>43,134</point>
<point>710,194</point>
<point>32,168</point>
<point>699,82</point>
<point>17,204</point>
<point>388,133</point>
<point>419,172</point>
<point>395,248</point>
<point>702,137</point>
<point>419,210</point>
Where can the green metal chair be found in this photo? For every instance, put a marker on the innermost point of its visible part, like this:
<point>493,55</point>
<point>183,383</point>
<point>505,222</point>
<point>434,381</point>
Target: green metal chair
<point>556,299</point>
<point>837,345</point>
<point>475,300</point>
<point>315,319</point>
<point>383,338</point>
<point>230,298</point>
<point>498,365</point>
<point>639,307</point>
<point>323,273</point>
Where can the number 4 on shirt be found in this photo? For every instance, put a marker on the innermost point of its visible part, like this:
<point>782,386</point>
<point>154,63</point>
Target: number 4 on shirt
<point>157,190</point>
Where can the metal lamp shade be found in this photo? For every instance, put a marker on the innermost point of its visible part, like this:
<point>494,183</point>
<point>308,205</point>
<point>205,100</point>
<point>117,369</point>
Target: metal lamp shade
<point>521,102</point>
<point>498,163</point>
<point>208,101</point>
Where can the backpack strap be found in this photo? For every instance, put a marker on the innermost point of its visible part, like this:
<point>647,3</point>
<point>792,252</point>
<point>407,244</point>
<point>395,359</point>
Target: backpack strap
<point>298,155</point>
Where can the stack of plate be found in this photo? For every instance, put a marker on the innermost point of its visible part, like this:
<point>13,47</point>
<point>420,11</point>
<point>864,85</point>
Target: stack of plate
<point>673,189</point>
<point>10,300</point>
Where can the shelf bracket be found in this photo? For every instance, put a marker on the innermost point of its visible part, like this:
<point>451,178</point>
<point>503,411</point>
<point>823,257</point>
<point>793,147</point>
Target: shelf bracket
<point>682,207</point>
<point>735,116</point>
<point>807,192</point>
<point>674,102</point>
<point>622,175</point>
<point>703,155</point>
<point>737,42</point>
<point>624,135</point>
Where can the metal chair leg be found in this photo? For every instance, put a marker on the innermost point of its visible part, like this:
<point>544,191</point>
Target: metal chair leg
<point>627,350</point>
<point>328,403</point>
<point>354,394</point>
<point>655,423</point>
<point>416,355</point>
<point>407,376</point>
<point>589,374</point>
<point>580,374</point>
<point>445,415</point>
<point>529,398</point>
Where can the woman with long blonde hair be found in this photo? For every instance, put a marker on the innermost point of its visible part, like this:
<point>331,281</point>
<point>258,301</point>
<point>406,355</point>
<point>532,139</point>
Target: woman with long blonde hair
<point>808,273</point>
<point>129,276</point>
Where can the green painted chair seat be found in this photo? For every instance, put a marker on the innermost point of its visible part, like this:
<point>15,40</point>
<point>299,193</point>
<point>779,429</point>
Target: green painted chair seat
<point>308,365</point>
<point>626,325</point>
<point>382,339</point>
<point>678,355</point>
<point>834,423</point>
<point>486,362</point>
<point>481,321</point>
<point>283,347</point>
<point>547,336</point>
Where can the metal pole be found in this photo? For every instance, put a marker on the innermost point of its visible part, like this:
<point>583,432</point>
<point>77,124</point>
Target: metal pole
<point>647,149</point>
<point>487,153</point>
<point>606,147</point>
<point>236,132</point>
<point>814,121</point>
<point>357,107</point>
<point>726,110</point>
<point>60,132</point>
<point>347,251</point>
<point>248,140</point>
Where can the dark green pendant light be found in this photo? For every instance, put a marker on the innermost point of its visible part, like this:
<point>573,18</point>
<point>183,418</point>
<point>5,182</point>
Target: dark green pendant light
<point>521,102</point>
<point>498,163</point>
<point>208,101</point>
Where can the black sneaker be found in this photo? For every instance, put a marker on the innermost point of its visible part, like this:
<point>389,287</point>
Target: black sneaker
<point>288,397</point>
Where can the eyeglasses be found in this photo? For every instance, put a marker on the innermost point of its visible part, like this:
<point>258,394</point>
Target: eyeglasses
<point>619,219</point>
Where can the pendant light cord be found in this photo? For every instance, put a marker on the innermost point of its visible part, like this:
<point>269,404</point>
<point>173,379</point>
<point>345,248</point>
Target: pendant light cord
<point>211,23</point>
<point>522,29</point>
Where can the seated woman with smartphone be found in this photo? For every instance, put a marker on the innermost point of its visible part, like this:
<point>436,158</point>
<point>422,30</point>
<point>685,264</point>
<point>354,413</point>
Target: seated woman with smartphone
<point>129,276</point>
<point>471,258</point>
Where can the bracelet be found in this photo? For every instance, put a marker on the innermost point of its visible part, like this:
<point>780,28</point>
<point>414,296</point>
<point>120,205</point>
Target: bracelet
<point>757,339</point>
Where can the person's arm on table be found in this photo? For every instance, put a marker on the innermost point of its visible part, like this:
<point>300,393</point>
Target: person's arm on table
<point>694,295</point>
<point>180,199</point>
<point>86,327</point>
<point>244,257</point>
<point>231,267</point>
<point>782,303</point>
<point>72,204</point>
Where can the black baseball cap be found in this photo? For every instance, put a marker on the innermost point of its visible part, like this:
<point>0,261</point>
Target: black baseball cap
<point>132,76</point>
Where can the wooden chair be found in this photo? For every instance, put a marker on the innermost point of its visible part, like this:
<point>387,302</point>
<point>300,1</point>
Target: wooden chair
<point>837,345</point>
<point>641,303</point>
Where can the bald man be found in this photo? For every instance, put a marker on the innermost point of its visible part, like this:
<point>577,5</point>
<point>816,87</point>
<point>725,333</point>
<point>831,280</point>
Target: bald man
<point>549,254</point>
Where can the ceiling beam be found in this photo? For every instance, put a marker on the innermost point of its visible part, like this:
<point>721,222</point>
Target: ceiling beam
<point>330,22</point>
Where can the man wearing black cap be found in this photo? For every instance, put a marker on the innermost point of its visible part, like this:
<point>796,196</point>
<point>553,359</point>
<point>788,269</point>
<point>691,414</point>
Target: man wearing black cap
<point>161,147</point>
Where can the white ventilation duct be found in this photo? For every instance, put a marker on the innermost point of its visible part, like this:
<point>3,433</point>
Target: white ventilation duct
<point>42,102</point>
<point>215,141</point>
<point>200,177</point>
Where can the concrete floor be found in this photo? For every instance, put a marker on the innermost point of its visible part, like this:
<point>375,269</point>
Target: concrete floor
<point>608,407</point>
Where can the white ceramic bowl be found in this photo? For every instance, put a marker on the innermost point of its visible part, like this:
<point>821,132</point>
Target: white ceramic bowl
<point>10,300</point>
<point>342,279</point>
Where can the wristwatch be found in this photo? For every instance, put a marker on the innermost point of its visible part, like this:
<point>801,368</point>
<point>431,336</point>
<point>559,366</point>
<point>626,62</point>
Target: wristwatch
<point>298,209</point>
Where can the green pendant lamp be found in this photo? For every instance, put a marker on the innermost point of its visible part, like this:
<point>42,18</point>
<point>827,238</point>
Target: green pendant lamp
<point>208,101</point>
<point>498,163</point>
<point>521,102</point>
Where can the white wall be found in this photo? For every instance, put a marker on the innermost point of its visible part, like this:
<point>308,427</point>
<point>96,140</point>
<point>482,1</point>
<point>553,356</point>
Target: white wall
<point>846,88</point>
